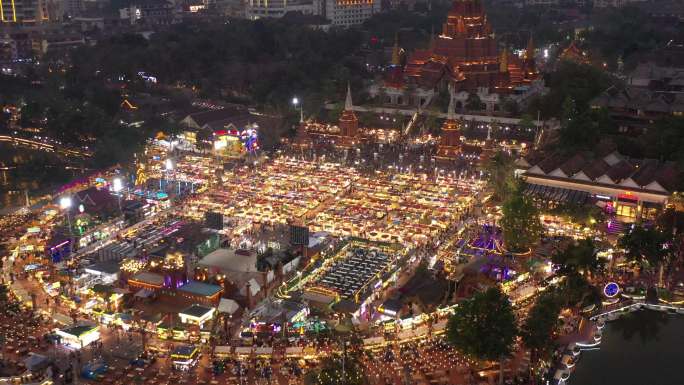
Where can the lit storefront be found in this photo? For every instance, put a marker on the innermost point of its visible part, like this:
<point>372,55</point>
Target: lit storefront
<point>196,315</point>
<point>78,337</point>
<point>185,357</point>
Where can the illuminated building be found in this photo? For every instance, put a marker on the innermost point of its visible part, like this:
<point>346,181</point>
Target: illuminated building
<point>450,142</point>
<point>349,123</point>
<point>574,54</point>
<point>196,315</point>
<point>78,337</point>
<point>350,12</point>
<point>23,11</point>
<point>628,188</point>
<point>345,134</point>
<point>256,9</point>
<point>185,357</point>
<point>466,57</point>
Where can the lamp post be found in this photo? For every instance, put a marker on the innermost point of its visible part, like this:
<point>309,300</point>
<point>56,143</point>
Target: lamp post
<point>65,204</point>
<point>117,187</point>
<point>295,103</point>
<point>168,166</point>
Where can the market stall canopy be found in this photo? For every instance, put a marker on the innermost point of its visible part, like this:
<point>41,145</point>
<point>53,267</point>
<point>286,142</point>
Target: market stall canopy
<point>243,350</point>
<point>102,289</point>
<point>36,362</point>
<point>228,306</point>
<point>373,341</point>
<point>62,319</point>
<point>223,349</point>
<point>294,350</point>
<point>144,293</point>
<point>264,350</point>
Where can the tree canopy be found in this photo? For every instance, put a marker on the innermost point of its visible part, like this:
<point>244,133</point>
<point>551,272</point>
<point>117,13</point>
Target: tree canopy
<point>542,320</point>
<point>500,168</point>
<point>520,224</point>
<point>484,326</point>
<point>646,245</point>
<point>579,256</point>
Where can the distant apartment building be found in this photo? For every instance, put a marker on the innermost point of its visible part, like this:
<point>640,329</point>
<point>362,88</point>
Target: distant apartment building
<point>342,13</point>
<point>616,3</point>
<point>345,13</point>
<point>531,3</point>
<point>257,9</point>
<point>150,12</point>
<point>23,11</point>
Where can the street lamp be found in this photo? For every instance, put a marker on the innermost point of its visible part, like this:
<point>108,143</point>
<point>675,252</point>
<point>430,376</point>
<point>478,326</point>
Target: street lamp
<point>295,102</point>
<point>117,187</point>
<point>168,166</point>
<point>65,204</point>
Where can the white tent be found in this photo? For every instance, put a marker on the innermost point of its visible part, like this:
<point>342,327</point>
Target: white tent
<point>228,306</point>
<point>223,349</point>
<point>244,350</point>
<point>254,287</point>
<point>294,350</point>
<point>373,341</point>
<point>265,350</point>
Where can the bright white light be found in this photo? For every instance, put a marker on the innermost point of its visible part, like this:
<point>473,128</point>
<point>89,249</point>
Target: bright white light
<point>81,208</point>
<point>64,202</point>
<point>295,100</point>
<point>169,165</point>
<point>117,184</point>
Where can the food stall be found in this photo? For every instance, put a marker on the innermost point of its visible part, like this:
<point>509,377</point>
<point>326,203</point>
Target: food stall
<point>79,336</point>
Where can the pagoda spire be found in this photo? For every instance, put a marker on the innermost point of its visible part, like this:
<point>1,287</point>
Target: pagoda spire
<point>348,106</point>
<point>451,111</point>
<point>395,50</point>
<point>529,51</point>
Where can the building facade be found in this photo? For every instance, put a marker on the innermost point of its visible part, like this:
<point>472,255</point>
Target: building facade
<point>465,57</point>
<point>24,11</point>
<point>630,189</point>
<point>257,9</point>
<point>345,13</point>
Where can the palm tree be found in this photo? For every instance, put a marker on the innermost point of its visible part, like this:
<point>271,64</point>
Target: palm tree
<point>650,247</point>
<point>579,256</point>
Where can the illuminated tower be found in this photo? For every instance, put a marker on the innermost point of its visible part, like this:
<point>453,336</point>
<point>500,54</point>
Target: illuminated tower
<point>529,65</point>
<point>23,11</point>
<point>349,124</point>
<point>450,142</point>
<point>8,11</point>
